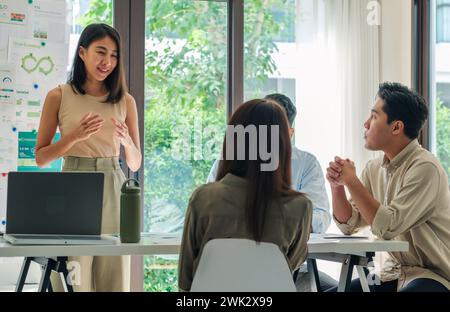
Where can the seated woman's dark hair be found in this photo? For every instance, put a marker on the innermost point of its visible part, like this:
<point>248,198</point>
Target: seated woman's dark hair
<point>264,186</point>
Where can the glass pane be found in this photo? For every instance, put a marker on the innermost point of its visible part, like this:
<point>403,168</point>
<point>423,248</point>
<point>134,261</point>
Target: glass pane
<point>440,76</point>
<point>185,113</point>
<point>443,21</point>
<point>284,53</point>
<point>294,47</point>
<point>269,46</point>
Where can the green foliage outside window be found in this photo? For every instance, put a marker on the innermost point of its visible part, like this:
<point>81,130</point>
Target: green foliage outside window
<point>160,274</point>
<point>186,81</point>
<point>100,11</point>
<point>443,135</point>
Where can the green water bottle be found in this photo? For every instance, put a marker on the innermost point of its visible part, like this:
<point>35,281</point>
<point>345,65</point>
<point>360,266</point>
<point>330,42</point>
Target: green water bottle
<point>130,212</point>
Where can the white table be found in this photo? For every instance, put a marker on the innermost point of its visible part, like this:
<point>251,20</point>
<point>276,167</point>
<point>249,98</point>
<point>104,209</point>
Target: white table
<point>350,252</point>
<point>356,246</point>
<point>54,257</point>
<point>158,244</point>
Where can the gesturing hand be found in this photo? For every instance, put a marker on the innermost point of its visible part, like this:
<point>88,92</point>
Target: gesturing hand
<point>122,132</point>
<point>88,125</point>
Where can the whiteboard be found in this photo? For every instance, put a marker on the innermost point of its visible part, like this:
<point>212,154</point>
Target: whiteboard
<point>34,47</point>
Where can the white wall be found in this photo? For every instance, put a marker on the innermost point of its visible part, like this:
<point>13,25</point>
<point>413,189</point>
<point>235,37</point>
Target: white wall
<point>396,41</point>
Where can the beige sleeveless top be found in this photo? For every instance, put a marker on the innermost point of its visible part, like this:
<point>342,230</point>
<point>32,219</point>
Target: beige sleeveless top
<point>74,106</point>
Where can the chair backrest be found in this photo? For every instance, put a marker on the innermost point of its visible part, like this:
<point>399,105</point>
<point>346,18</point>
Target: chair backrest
<point>241,265</point>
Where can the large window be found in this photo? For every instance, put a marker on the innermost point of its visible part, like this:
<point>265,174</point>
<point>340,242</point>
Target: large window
<point>440,83</point>
<point>285,51</point>
<point>185,113</point>
<point>185,100</point>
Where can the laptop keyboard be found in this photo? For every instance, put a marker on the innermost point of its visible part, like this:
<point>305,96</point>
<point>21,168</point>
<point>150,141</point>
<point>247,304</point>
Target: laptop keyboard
<point>66,237</point>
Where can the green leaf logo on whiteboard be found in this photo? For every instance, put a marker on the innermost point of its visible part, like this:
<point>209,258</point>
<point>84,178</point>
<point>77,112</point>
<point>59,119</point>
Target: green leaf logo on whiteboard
<point>30,63</point>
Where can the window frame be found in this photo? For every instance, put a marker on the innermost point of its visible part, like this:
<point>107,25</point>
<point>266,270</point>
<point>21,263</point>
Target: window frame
<point>423,49</point>
<point>421,69</point>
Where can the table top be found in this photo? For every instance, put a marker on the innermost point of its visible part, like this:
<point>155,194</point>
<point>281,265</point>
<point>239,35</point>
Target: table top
<point>350,245</point>
<point>169,244</point>
<point>150,244</point>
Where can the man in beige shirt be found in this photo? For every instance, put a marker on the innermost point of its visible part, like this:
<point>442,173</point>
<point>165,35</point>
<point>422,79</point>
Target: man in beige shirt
<point>402,196</point>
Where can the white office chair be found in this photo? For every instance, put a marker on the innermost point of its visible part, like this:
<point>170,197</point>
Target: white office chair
<point>242,265</point>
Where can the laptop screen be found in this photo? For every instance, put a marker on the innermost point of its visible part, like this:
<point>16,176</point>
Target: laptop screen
<point>67,203</point>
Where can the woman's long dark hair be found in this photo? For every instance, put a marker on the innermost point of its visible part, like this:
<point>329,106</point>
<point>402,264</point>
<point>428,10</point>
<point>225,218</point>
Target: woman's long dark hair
<point>115,83</point>
<point>263,187</point>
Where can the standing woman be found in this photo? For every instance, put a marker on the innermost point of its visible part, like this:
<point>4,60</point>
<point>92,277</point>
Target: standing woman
<point>95,115</point>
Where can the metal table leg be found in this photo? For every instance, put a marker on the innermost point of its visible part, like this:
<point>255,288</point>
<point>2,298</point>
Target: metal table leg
<point>62,268</point>
<point>58,264</point>
<point>23,274</point>
<point>362,273</point>
<point>314,275</point>
<point>346,273</point>
<point>45,278</point>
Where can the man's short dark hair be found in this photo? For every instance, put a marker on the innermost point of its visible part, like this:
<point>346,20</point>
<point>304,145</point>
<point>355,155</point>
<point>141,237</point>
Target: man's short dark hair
<point>401,103</point>
<point>286,103</point>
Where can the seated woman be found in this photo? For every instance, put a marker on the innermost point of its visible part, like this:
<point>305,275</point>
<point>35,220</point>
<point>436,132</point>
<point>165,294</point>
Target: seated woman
<point>251,199</point>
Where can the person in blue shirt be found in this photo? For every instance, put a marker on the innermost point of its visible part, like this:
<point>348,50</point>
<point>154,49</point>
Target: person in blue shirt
<point>307,178</point>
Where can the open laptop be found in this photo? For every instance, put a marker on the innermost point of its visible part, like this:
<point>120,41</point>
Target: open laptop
<point>54,208</point>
